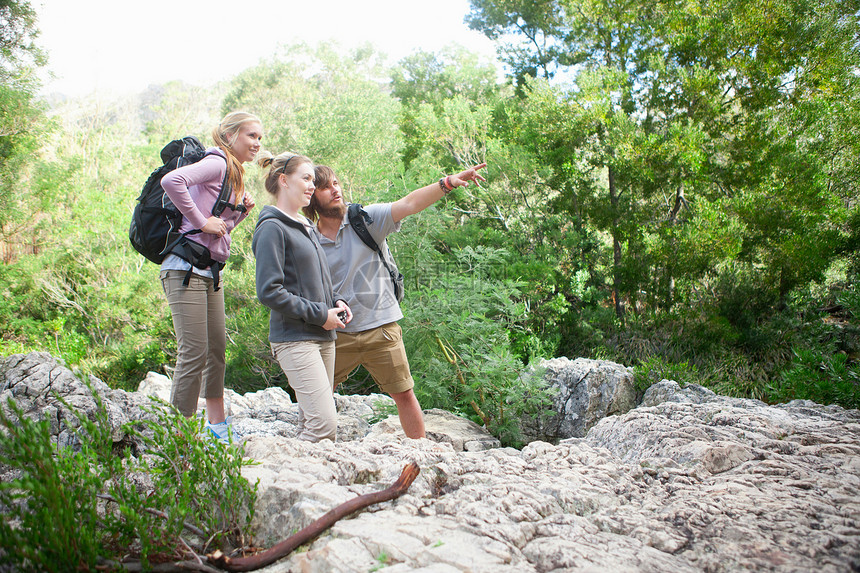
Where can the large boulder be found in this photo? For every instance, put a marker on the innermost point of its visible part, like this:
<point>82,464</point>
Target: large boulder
<point>39,383</point>
<point>585,391</point>
<point>691,481</point>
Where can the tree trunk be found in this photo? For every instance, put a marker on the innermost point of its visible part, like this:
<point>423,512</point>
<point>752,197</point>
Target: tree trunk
<point>680,201</point>
<point>616,247</point>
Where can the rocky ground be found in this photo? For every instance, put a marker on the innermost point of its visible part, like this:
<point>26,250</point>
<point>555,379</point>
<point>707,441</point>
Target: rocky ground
<point>685,481</point>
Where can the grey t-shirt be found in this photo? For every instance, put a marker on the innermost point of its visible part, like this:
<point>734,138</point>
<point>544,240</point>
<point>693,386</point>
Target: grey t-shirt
<point>358,275</point>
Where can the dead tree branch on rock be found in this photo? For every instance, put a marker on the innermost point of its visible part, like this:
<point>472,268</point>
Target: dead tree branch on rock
<point>285,547</point>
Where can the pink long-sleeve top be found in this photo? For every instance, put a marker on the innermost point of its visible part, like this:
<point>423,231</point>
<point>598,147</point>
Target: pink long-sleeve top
<point>194,190</point>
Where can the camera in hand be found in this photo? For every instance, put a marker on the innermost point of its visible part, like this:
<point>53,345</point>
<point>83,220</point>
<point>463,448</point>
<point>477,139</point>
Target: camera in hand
<point>342,315</point>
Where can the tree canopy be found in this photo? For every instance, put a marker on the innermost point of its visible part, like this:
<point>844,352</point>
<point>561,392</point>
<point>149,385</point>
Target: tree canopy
<point>21,116</point>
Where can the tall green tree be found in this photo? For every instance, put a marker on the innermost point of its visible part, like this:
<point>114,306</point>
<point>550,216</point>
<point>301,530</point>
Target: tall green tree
<point>18,48</point>
<point>591,127</point>
<point>454,113</point>
<point>322,102</point>
<point>650,110</point>
<point>424,82</point>
<point>20,114</point>
<point>769,82</point>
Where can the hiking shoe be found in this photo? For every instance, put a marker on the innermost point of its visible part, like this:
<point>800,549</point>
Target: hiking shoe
<point>221,432</point>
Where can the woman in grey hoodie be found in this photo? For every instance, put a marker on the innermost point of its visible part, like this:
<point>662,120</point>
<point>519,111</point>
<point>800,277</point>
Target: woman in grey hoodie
<point>293,281</point>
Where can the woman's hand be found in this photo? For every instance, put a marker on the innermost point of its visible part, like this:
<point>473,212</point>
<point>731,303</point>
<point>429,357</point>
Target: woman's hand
<point>334,316</point>
<point>248,201</point>
<point>462,179</point>
<point>344,308</point>
<point>215,226</point>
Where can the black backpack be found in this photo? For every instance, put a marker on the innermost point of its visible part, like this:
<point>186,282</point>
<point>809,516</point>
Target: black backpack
<point>359,219</point>
<point>154,230</point>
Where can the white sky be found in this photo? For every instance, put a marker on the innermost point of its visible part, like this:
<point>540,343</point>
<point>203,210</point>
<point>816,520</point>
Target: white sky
<point>122,46</point>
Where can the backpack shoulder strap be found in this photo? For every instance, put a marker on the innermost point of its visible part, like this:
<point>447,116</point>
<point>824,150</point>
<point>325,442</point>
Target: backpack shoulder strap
<point>358,219</point>
<point>224,195</point>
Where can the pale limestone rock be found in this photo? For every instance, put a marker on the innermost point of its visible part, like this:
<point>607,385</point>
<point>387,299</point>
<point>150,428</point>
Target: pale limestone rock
<point>337,556</point>
<point>585,392</point>
<point>688,481</point>
<point>37,381</point>
<point>444,427</point>
<point>155,384</point>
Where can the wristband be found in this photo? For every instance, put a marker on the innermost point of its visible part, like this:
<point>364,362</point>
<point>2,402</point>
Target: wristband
<point>444,189</point>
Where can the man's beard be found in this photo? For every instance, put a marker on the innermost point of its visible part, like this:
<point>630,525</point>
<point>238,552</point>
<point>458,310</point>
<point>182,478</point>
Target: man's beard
<point>334,212</point>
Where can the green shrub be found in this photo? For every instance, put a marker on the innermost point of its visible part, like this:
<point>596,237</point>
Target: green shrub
<point>457,332</point>
<point>51,521</point>
<point>193,481</point>
<point>72,508</point>
<point>654,369</point>
<point>826,379</point>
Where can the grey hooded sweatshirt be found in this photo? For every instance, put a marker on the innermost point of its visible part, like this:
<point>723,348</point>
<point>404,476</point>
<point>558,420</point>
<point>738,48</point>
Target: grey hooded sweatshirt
<point>292,278</point>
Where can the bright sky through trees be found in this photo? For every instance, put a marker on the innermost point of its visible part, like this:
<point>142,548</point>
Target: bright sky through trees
<point>110,46</point>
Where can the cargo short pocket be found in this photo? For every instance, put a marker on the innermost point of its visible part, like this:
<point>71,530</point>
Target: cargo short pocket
<point>391,332</point>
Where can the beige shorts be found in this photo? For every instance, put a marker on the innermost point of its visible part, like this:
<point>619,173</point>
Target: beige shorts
<point>380,350</point>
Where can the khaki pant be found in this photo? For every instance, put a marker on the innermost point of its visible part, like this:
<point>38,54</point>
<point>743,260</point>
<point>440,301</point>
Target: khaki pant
<point>380,350</point>
<point>201,339</point>
<point>309,366</point>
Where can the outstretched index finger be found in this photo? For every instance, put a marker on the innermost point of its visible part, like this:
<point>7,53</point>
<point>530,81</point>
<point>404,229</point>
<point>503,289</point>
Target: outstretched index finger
<point>478,175</point>
<point>472,173</point>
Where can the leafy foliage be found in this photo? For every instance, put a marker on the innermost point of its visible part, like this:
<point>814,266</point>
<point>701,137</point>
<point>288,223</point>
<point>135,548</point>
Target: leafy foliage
<point>73,508</point>
<point>458,328</point>
<point>52,522</point>
<point>822,379</point>
<point>19,52</point>
<point>191,480</point>
<point>22,119</point>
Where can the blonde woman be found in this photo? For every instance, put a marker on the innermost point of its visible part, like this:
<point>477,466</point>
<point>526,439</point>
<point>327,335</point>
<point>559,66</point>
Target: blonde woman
<point>196,302</point>
<point>293,281</point>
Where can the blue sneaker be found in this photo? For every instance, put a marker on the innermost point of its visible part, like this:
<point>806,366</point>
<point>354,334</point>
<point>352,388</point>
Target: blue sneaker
<point>221,432</point>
